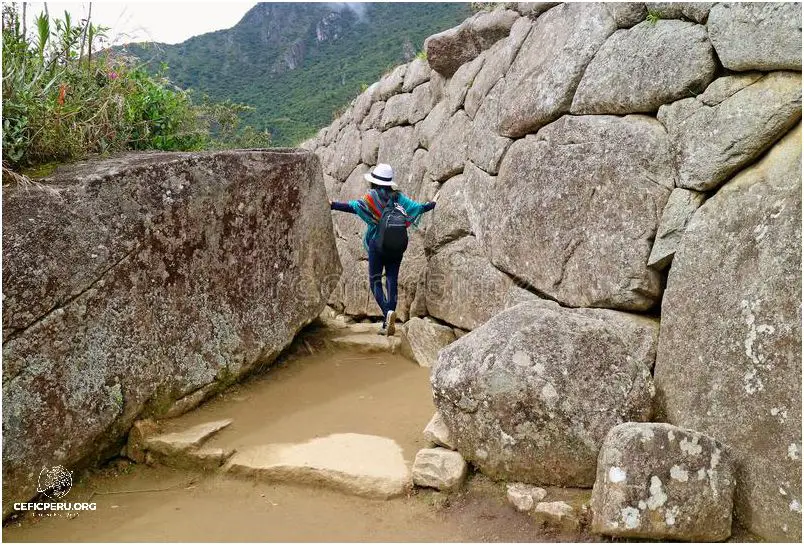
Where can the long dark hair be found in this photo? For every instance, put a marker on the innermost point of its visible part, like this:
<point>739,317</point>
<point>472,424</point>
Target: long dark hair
<point>387,188</point>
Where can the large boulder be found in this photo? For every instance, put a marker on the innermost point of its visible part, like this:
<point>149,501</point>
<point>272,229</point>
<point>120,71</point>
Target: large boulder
<point>531,394</point>
<point>162,273</point>
<point>542,79</point>
<point>397,147</point>
<point>448,50</point>
<point>391,83</point>
<point>448,152</point>
<point>373,117</point>
<point>397,111</point>
<point>729,356</point>
<point>757,35</point>
<point>370,146</point>
<point>484,147</point>
<point>463,288</point>
<point>450,221</point>
<point>417,73</point>
<point>346,154</point>
<point>502,54</point>
<point>627,14</point>
<point>456,88</point>
<point>659,481</point>
<point>575,209</point>
<point>422,102</point>
<point>415,185</point>
<point>641,68</point>
<point>363,103</point>
<point>726,128</point>
<point>429,129</point>
<point>479,191</point>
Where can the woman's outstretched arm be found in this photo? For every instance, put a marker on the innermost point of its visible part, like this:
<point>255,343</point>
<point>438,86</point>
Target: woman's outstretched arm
<point>341,207</point>
<point>416,209</point>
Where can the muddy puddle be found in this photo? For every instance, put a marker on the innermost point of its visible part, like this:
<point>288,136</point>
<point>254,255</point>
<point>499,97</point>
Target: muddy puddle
<point>304,397</point>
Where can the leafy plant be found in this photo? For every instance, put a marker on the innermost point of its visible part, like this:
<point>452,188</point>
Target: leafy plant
<point>61,102</point>
<point>653,17</point>
<point>422,55</point>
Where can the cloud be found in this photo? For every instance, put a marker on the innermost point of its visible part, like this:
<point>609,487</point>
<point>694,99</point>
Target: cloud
<point>359,9</point>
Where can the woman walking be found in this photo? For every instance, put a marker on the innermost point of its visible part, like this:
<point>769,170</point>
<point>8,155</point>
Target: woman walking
<point>387,213</point>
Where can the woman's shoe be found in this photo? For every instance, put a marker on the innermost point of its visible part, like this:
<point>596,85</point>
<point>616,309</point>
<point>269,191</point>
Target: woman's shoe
<point>391,322</point>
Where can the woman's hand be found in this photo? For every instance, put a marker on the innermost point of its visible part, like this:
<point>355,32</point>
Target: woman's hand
<point>435,198</point>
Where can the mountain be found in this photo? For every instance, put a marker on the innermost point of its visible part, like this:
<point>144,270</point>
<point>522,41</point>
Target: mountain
<point>297,63</point>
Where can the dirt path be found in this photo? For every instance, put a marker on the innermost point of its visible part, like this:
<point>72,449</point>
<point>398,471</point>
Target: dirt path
<point>302,398</point>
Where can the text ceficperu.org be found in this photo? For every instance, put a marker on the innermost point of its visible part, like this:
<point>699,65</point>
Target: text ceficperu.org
<point>61,506</point>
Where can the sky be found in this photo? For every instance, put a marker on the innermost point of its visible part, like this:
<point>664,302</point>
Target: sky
<point>168,21</point>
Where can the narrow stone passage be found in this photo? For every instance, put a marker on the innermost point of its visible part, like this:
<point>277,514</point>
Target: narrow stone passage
<point>338,406</point>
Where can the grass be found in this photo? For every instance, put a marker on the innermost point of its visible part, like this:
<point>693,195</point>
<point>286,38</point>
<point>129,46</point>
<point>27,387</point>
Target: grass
<point>653,17</point>
<point>62,101</point>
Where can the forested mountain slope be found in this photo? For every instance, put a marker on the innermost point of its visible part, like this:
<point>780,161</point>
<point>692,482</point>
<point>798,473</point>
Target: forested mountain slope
<point>297,63</point>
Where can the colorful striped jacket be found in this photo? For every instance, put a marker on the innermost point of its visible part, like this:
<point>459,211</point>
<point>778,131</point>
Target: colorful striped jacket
<point>369,208</point>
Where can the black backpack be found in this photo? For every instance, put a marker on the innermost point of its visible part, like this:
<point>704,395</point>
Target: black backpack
<point>392,230</point>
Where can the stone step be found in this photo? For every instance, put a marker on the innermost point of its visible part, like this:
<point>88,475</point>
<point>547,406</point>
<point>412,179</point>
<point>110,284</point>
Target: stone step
<point>368,342</point>
<point>191,438</point>
<point>184,449</point>
<point>362,465</point>
<point>350,329</point>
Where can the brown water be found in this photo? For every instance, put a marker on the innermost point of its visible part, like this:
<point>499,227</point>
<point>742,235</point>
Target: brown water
<point>304,397</point>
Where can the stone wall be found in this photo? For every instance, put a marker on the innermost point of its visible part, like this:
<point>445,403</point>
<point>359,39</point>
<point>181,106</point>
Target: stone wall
<point>140,285</point>
<point>643,158</point>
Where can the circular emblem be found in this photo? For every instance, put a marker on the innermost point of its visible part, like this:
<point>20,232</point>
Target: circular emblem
<point>55,482</point>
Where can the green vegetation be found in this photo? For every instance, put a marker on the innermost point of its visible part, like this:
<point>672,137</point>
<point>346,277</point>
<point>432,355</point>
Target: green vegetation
<point>653,17</point>
<point>296,64</point>
<point>64,101</point>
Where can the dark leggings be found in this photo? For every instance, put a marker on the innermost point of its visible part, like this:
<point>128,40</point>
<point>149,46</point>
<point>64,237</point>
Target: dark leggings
<point>378,262</point>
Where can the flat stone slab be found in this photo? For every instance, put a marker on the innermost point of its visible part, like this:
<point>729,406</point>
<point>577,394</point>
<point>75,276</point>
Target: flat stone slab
<point>181,441</point>
<point>362,465</point>
<point>355,329</point>
<point>369,342</point>
<point>206,458</point>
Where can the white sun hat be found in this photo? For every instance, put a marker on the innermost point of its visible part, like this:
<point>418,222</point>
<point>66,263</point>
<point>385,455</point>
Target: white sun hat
<point>382,174</point>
